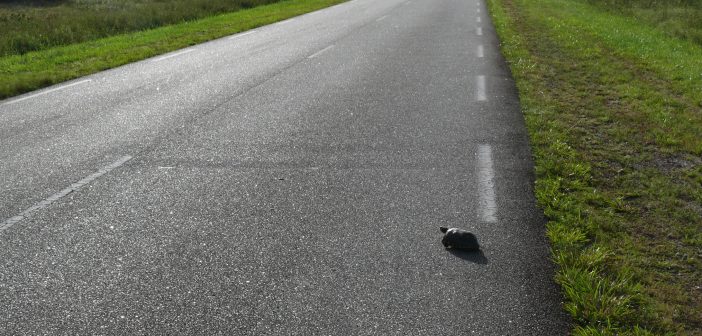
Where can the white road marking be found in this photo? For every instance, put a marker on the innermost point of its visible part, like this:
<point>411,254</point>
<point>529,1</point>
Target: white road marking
<point>478,10</point>
<point>48,91</point>
<point>173,55</point>
<point>486,185</point>
<point>321,51</point>
<point>480,94</point>
<point>381,18</point>
<point>478,19</point>
<point>284,21</point>
<point>55,197</point>
<point>241,35</point>
<point>479,31</point>
<point>480,52</point>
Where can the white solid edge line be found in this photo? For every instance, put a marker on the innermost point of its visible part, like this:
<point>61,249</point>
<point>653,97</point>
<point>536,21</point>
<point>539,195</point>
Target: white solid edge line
<point>320,52</point>
<point>173,55</point>
<point>55,197</point>
<point>241,35</point>
<point>381,18</point>
<point>486,185</point>
<point>479,31</point>
<point>480,94</point>
<point>48,91</point>
<point>480,52</point>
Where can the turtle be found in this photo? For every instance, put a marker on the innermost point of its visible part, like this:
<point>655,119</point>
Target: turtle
<point>455,238</point>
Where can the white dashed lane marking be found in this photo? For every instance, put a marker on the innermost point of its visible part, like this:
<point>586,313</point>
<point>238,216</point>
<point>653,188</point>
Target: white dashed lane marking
<point>486,185</point>
<point>173,55</point>
<point>241,35</point>
<point>480,91</point>
<point>55,197</point>
<point>48,91</point>
<point>283,22</point>
<point>321,51</point>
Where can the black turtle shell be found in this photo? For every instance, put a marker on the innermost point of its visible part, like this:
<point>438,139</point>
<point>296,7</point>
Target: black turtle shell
<point>460,239</point>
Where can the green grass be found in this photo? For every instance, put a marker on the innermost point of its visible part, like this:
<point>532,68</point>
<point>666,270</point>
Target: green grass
<point>33,70</point>
<point>677,18</point>
<point>614,109</point>
<point>33,25</point>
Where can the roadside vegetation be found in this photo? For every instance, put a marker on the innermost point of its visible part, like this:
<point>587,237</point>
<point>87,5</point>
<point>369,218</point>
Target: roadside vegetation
<point>37,25</point>
<point>611,93</point>
<point>677,18</point>
<point>40,49</point>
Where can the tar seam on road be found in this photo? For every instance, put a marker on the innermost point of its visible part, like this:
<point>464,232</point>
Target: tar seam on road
<point>486,185</point>
<point>173,55</point>
<point>479,31</point>
<point>241,35</point>
<point>55,197</point>
<point>480,53</point>
<point>320,52</point>
<point>480,94</point>
<point>48,91</point>
<point>381,18</point>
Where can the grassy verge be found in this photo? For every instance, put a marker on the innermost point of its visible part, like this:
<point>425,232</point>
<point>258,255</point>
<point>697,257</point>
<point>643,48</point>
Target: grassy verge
<point>33,25</point>
<point>30,71</point>
<point>677,18</point>
<point>613,107</point>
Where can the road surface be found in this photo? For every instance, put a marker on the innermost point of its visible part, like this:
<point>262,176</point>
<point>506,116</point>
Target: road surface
<point>290,180</point>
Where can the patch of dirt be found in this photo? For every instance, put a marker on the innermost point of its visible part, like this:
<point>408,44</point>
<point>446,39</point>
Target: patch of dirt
<point>669,163</point>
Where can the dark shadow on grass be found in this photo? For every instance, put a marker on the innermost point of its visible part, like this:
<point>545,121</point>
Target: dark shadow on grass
<point>477,257</point>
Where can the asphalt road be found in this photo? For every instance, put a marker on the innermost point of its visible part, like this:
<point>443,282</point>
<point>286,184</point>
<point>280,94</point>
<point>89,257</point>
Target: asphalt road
<point>285,181</point>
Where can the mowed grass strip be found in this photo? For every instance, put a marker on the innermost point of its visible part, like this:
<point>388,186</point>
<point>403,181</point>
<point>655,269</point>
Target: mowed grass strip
<point>614,111</point>
<point>678,18</point>
<point>34,70</point>
<point>33,25</point>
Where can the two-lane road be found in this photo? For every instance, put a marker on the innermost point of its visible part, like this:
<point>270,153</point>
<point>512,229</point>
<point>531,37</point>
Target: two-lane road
<point>284,181</point>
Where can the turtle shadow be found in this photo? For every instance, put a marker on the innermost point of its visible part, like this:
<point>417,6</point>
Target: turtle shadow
<point>477,257</point>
